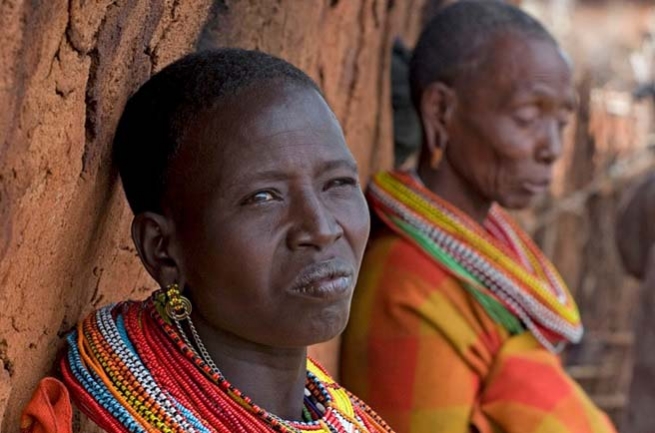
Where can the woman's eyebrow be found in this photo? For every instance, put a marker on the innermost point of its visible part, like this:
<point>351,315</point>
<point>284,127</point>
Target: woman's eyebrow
<point>531,94</point>
<point>274,174</point>
<point>282,174</point>
<point>242,179</point>
<point>335,164</point>
<point>323,167</point>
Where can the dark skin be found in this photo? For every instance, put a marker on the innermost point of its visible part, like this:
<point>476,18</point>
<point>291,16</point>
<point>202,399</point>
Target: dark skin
<point>499,127</point>
<point>264,225</point>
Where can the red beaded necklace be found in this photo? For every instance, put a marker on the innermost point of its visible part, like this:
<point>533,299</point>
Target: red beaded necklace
<point>128,366</point>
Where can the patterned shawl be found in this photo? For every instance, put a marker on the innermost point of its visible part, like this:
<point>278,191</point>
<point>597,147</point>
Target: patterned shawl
<point>437,339</point>
<point>498,263</point>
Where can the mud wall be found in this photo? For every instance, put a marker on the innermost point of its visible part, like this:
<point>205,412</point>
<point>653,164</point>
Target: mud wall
<point>66,70</point>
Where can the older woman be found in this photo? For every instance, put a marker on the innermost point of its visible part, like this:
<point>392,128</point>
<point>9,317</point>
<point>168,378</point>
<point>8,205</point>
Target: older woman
<point>458,317</point>
<point>249,215</point>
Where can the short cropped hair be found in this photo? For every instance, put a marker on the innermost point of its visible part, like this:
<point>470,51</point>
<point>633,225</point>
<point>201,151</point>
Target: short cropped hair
<point>156,118</point>
<point>459,36</point>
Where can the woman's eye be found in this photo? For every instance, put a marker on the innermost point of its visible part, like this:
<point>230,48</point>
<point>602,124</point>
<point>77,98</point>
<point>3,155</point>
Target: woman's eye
<point>260,197</point>
<point>527,114</point>
<point>564,119</point>
<point>340,182</point>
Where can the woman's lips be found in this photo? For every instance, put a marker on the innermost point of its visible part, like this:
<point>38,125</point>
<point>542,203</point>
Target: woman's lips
<point>536,187</point>
<point>329,280</point>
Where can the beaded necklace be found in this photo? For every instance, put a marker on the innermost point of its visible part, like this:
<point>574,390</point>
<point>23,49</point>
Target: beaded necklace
<point>498,263</point>
<point>130,370</point>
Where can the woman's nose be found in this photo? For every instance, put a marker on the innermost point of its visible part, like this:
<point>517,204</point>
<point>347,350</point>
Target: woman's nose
<point>550,146</point>
<point>313,225</point>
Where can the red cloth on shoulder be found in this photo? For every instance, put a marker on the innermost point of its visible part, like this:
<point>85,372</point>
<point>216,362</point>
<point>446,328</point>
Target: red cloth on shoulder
<point>49,410</point>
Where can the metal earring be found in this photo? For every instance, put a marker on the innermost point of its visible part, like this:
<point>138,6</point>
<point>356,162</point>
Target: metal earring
<point>177,307</point>
<point>435,158</point>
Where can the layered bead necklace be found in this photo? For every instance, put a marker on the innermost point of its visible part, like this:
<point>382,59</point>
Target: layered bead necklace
<point>498,263</point>
<point>132,369</point>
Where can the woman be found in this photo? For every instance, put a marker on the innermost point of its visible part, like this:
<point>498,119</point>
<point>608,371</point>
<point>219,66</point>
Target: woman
<point>249,215</point>
<point>458,317</point>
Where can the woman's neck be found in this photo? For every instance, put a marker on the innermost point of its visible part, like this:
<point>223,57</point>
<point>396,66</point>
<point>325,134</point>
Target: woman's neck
<point>274,378</point>
<point>452,187</point>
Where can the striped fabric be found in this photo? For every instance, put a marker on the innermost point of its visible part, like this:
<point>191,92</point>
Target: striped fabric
<point>425,354</point>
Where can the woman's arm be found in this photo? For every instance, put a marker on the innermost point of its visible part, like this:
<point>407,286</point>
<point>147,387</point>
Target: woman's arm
<point>409,351</point>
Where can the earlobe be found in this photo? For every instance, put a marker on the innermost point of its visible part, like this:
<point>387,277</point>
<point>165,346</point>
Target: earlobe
<point>151,234</point>
<point>437,107</point>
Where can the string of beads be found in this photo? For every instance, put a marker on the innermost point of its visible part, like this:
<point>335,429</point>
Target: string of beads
<point>498,259</point>
<point>130,368</point>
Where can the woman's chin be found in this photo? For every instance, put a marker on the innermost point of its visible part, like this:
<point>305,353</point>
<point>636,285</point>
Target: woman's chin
<point>303,332</point>
<point>517,201</point>
<point>311,340</point>
<point>329,336</point>
<point>325,328</point>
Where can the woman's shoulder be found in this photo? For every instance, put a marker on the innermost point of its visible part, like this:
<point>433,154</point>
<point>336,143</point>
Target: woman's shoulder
<point>398,278</point>
<point>49,410</point>
<point>391,254</point>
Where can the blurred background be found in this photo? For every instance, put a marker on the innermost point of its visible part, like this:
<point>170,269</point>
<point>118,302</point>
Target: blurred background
<point>68,66</point>
<point>609,149</point>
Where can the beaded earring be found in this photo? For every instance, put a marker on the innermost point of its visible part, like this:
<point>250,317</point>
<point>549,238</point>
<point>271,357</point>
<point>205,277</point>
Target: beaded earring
<point>178,307</point>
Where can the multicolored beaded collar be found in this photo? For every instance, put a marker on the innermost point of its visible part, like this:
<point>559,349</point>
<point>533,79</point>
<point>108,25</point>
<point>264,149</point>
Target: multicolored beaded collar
<point>129,370</point>
<point>498,263</point>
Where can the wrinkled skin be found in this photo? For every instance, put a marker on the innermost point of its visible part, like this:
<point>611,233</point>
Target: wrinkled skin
<point>500,127</point>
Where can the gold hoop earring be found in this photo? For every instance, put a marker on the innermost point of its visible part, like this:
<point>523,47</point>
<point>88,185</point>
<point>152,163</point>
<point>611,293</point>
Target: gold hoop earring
<point>177,307</point>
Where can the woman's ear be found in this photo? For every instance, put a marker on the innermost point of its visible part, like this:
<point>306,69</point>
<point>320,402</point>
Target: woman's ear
<point>152,233</point>
<point>438,103</point>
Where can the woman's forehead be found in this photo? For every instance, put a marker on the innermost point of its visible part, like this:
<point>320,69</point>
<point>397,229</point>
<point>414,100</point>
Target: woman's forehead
<point>264,129</point>
<point>514,65</point>
<point>276,118</point>
<point>512,54</point>
<point>261,112</point>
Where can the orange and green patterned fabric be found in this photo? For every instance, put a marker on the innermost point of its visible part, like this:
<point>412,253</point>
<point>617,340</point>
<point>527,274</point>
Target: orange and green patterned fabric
<point>432,350</point>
